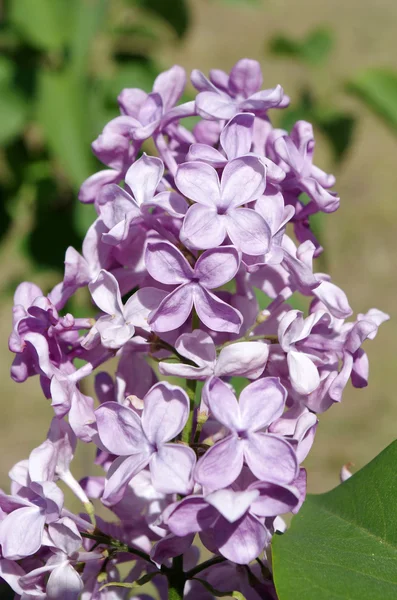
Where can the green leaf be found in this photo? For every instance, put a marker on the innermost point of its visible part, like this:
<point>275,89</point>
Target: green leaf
<point>13,114</point>
<point>314,49</point>
<point>175,12</point>
<point>338,127</point>
<point>138,73</point>
<point>343,544</point>
<point>88,17</point>
<point>377,88</point>
<point>62,115</point>
<point>42,23</point>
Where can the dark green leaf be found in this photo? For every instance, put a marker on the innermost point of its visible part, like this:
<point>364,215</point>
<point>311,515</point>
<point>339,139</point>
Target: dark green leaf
<point>314,49</point>
<point>13,114</point>
<point>174,12</point>
<point>42,23</point>
<point>88,18</point>
<point>377,88</point>
<point>343,544</point>
<point>63,117</point>
<point>338,127</point>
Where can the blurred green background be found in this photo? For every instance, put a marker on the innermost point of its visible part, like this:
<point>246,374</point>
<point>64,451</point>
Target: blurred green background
<point>62,65</point>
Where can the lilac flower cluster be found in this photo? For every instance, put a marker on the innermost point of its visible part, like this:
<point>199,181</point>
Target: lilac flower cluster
<point>183,245</point>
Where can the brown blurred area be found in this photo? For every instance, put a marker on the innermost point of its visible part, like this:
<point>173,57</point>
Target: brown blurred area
<point>360,239</point>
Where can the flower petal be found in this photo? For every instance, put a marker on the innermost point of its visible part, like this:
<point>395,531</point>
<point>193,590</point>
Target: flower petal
<point>261,403</point>
<point>64,582</point>
<point>15,542</point>
<point>215,313</point>
<point>120,473</point>
<point>213,105</point>
<point>221,464</point>
<point>191,515</point>
<point>119,429</point>
<point>167,264</point>
<point>248,231</point>
<point>231,504</point>
<point>303,373</point>
<point>106,293</point>
<point>243,359</point>
<point>216,267</point>
<point>203,227</point>
<point>274,499</point>
<point>243,541</point>
<point>236,137</point>
<point>172,469</point>
<point>198,182</point>
<point>243,180</point>
<point>173,311</point>
<point>144,176</point>
<point>165,412</point>
<point>223,404</point>
<point>271,458</point>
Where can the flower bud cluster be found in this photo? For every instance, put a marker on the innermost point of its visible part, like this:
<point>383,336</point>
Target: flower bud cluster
<point>183,246</point>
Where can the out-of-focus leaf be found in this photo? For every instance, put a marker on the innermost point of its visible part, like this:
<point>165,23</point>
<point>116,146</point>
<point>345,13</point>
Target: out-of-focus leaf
<point>83,217</point>
<point>5,219</point>
<point>137,73</point>
<point>42,23</point>
<point>63,117</point>
<point>377,88</point>
<point>87,19</point>
<point>54,227</point>
<point>13,114</point>
<point>338,127</point>
<point>314,49</point>
<point>343,544</point>
<point>175,12</point>
<point>6,71</point>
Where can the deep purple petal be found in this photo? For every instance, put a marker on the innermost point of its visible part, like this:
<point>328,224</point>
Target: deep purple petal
<point>191,515</point>
<point>243,541</point>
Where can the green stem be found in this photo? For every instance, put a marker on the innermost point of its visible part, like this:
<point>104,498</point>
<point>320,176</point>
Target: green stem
<point>117,545</point>
<point>176,579</point>
<point>187,432</point>
<point>205,565</point>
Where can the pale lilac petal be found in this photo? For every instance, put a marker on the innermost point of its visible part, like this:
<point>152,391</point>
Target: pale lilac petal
<point>172,469</point>
<point>119,429</point>
<point>203,227</point>
<point>170,546</point>
<point>236,137</point>
<point>115,205</point>
<point>167,264</point>
<point>92,186</point>
<point>144,176</point>
<point>214,105</point>
<point>223,404</point>
<point>244,359</point>
<point>191,515</point>
<point>243,541</point>
<point>327,201</point>
<point>334,299</point>
<point>248,231</point>
<point>140,305</point>
<point>120,473</point>
<point>106,293</point>
<point>221,464</point>
<point>198,346</point>
<point>15,542</point>
<point>263,100</point>
<point>173,311</point>
<point>246,77</point>
<point>303,372</point>
<point>65,535</point>
<point>231,504</point>
<point>243,180</point>
<point>170,85</point>
<point>215,313</point>
<point>184,371</point>
<point>198,182</point>
<point>274,499</point>
<point>165,412</point>
<point>261,403</point>
<point>64,582</point>
<point>207,154</point>
<point>172,203</point>
<point>11,572</point>
<point>304,433</point>
<point>201,82</point>
<point>130,100</point>
<point>216,267</point>
<point>271,458</point>
<point>42,462</point>
<point>113,333</point>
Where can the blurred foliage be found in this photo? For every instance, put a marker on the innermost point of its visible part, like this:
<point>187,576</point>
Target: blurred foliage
<point>314,49</point>
<point>377,88</point>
